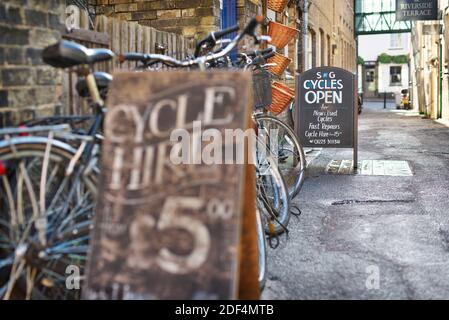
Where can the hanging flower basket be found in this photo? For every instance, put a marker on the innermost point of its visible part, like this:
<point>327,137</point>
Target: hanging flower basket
<point>277,5</point>
<point>282,97</point>
<point>281,34</point>
<point>282,62</point>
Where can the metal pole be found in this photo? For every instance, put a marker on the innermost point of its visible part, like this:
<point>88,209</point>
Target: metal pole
<point>356,125</point>
<point>305,33</point>
<point>440,78</point>
<point>385,100</point>
<point>264,26</point>
<point>299,45</point>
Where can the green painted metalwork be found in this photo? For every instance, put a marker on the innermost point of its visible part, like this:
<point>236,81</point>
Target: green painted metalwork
<point>377,17</point>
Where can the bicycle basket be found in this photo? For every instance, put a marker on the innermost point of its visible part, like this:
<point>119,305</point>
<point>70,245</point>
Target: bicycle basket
<point>262,89</point>
<point>281,34</point>
<point>282,62</point>
<point>277,5</point>
<point>282,97</point>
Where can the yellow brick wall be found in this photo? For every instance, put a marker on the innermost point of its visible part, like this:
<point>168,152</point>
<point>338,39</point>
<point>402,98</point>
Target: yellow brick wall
<point>334,19</point>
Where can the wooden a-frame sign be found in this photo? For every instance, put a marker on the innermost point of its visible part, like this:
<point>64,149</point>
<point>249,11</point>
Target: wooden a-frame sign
<point>169,230</point>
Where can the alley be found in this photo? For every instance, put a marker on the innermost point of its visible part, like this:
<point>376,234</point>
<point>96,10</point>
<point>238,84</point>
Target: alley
<point>355,227</point>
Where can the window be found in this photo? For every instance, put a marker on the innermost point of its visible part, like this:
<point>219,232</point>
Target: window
<point>311,50</point>
<point>395,76</point>
<point>396,41</point>
<point>370,76</point>
<point>322,48</point>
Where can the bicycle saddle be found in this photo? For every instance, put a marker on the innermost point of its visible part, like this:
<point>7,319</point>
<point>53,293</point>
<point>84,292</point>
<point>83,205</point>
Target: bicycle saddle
<point>66,54</point>
<point>101,78</point>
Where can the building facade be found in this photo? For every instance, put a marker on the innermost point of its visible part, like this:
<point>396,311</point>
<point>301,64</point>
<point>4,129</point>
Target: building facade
<point>191,18</point>
<point>330,38</point>
<point>430,58</point>
<point>29,88</point>
<point>386,67</point>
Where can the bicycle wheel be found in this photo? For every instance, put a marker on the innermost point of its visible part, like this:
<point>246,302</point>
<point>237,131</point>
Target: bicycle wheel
<point>272,197</point>
<point>42,250</point>
<point>285,148</point>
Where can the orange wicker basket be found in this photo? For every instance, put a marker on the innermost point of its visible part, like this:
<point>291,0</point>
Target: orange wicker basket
<point>282,62</point>
<point>277,5</point>
<point>280,34</point>
<point>282,97</point>
<point>284,87</point>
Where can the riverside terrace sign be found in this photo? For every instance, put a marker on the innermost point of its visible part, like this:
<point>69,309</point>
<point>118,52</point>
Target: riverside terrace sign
<point>407,10</point>
<point>327,109</point>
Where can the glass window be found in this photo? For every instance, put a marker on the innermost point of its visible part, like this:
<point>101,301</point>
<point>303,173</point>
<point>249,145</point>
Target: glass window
<point>309,51</point>
<point>396,41</point>
<point>395,76</point>
<point>370,76</point>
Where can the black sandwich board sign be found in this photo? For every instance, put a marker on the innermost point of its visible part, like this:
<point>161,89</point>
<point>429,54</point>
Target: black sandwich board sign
<point>327,109</point>
<point>168,230</point>
<point>416,10</point>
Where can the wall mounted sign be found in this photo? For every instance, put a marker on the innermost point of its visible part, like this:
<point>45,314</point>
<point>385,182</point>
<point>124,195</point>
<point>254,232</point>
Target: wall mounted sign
<point>165,230</point>
<point>407,10</point>
<point>327,110</point>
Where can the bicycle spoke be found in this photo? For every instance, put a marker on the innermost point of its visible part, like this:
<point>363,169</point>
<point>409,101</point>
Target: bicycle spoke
<point>7,261</point>
<point>11,205</point>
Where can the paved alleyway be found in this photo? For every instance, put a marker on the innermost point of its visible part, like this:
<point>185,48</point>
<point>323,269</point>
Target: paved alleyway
<point>398,226</point>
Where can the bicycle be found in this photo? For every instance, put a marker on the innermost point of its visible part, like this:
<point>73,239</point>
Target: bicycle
<point>65,223</point>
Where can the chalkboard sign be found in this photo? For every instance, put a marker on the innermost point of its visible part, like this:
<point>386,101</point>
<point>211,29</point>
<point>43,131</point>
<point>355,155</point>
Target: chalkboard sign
<point>415,10</point>
<point>165,230</point>
<point>327,116</point>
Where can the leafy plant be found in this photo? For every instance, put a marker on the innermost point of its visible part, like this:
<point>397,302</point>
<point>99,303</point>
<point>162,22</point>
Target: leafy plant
<point>386,58</point>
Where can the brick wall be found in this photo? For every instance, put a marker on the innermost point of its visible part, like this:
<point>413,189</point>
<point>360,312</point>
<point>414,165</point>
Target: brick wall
<point>334,20</point>
<point>247,9</point>
<point>28,88</point>
<point>191,18</point>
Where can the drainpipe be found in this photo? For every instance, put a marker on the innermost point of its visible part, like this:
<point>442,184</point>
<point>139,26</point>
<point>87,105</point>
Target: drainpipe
<point>440,76</point>
<point>305,32</point>
<point>299,46</point>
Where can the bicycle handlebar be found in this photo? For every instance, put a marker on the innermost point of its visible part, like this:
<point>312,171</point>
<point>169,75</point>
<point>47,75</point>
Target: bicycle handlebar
<point>212,38</point>
<point>250,28</point>
<point>255,53</point>
<point>262,59</point>
<point>269,55</point>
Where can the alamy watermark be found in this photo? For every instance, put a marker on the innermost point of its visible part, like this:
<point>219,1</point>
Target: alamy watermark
<point>218,147</point>
<point>73,278</point>
<point>373,279</point>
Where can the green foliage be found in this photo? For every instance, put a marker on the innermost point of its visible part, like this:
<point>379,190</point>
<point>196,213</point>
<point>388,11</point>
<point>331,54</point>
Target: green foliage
<point>360,61</point>
<point>386,58</point>
<point>401,59</point>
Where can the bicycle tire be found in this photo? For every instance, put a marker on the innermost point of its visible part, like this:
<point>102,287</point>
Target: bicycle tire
<point>294,175</point>
<point>71,239</point>
<point>272,198</point>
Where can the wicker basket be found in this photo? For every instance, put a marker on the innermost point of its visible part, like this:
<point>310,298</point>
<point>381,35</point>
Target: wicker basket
<point>280,34</point>
<point>282,97</point>
<point>282,62</point>
<point>277,5</point>
<point>284,87</point>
